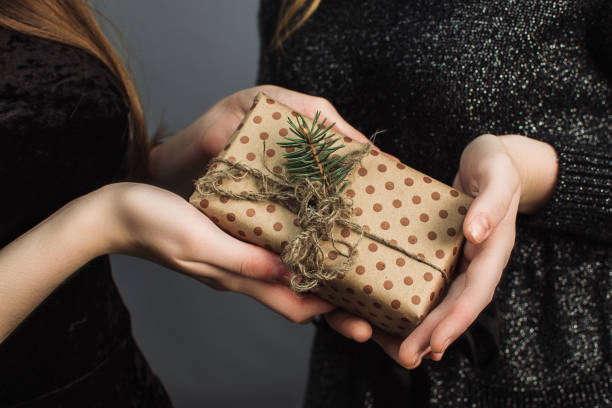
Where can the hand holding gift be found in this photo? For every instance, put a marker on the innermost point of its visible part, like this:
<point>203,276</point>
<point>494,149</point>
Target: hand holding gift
<point>507,174</point>
<point>179,160</point>
<point>488,171</point>
<point>387,256</point>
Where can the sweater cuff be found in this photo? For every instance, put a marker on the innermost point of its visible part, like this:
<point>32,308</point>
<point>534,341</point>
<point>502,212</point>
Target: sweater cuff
<point>581,202</point>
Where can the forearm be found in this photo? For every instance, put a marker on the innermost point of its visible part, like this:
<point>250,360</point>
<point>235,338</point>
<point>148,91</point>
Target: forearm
<point>33,265</point>
<point>538,167</point>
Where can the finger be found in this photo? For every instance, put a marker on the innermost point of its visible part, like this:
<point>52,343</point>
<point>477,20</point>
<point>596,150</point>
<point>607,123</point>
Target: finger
<point>481,279</point>
<point>418,342</point>
<point>496,188</point>
<point>469,251</point>
<point>229,253</point>
<point>203,241</point>
<point>349,325</point>
<point>197,239</point>
<point>297,308</point>
<point>389,344</point>
<point>457,184</point>
<point>309,105</point>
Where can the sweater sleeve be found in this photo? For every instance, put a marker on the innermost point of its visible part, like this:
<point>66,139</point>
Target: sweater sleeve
<point>581,202</point>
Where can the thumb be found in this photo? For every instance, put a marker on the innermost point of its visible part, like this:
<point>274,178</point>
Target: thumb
<point>494,188</point>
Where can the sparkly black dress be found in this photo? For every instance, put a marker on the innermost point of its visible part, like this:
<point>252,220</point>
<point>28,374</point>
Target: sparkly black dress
<point>436,74</point>
<point>63,133</point>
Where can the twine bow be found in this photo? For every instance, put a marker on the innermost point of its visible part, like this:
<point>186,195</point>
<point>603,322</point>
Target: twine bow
<point>317,208</point>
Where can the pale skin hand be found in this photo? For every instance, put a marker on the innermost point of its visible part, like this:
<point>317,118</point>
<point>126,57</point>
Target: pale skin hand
<point>180,160</point>
<point>507,174</point>
<point>153,223</point>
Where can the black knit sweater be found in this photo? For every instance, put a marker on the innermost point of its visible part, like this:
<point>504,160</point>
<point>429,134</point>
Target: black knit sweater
<point>436,74</point>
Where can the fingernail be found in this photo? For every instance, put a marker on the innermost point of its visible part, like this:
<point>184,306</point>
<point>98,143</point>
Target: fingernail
<point>478,228</point>
<point>419,357</point>
<point>436,356</point>
<point>446,343</point>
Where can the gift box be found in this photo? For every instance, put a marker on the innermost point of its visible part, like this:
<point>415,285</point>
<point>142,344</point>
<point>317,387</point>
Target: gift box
<point>393,255</point>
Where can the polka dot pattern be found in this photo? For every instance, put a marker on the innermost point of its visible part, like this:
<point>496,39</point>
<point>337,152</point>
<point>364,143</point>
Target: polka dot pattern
<point>395,202</point>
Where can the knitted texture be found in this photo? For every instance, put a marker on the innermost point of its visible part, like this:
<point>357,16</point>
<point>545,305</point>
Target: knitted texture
<point>435,75</point>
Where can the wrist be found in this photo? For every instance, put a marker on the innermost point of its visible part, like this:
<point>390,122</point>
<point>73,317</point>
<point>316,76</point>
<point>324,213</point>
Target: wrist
<point>177,161</point>
<point>536,163</point>
<point>37,262</point>
<point>95,220</point>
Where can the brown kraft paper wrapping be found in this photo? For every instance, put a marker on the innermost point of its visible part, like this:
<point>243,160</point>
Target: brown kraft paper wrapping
<point>391,200</point>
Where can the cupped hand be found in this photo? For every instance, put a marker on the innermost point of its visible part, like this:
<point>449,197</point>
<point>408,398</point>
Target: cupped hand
<point>183,157</point>
<point>218,124</point>
<point>488,173</point>
<point>158,225</point>
<point>191,243</point>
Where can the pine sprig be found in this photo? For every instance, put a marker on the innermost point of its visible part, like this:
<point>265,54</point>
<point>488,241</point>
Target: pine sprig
<point>312,155</point>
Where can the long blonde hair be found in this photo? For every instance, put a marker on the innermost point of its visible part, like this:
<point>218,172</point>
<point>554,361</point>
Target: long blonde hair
<point>72,22</point>
<point>293,13</point>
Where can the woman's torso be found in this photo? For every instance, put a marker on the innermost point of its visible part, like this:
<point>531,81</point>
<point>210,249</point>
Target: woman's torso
<point>435,75</point>
<point>63,133</point>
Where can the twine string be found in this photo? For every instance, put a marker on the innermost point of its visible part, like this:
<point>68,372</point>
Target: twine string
<point>317,208</point>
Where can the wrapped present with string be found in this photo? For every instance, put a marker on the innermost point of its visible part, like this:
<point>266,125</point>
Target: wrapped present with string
<point>354,225</point>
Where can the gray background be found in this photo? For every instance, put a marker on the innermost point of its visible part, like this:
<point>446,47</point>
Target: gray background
<point>209,348</point>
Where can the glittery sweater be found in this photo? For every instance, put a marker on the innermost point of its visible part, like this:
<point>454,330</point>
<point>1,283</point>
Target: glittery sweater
<point>435,75</point>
